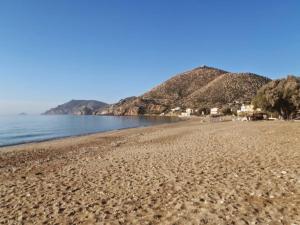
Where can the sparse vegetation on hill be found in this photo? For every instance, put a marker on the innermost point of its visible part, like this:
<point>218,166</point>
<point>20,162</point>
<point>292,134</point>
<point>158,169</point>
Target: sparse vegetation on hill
<point>202,87</point>
<point>227,88</point>
<point>185,84</point>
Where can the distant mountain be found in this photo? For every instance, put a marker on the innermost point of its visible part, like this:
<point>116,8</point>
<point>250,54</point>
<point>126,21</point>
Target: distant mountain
<point>201,87</point>
<point>77,107</point>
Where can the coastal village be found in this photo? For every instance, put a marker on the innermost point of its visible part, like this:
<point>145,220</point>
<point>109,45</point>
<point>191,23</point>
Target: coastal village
<point>246,112</point>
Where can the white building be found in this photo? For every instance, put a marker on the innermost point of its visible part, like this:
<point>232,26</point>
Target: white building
<point>247,109</point>
<point>176,109</point>
<point>214,111</point>
<point>184,114</point>
<point>187,113</point>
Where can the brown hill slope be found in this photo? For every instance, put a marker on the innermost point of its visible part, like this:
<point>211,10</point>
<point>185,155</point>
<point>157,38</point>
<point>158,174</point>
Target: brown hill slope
<point>228,88</point>
<point>200,87</point>
<point>184,84</point>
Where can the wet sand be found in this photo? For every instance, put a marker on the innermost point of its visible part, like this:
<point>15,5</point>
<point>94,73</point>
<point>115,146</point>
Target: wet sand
<point>190,172</point>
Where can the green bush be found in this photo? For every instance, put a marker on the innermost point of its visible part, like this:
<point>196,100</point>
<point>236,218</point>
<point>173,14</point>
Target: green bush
<point>280,96</point>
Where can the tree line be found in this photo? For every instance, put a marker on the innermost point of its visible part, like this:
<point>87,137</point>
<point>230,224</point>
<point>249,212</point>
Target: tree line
<point>280,96</point>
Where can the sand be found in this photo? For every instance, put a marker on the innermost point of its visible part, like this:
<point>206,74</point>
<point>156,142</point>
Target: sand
<point>184,173</point>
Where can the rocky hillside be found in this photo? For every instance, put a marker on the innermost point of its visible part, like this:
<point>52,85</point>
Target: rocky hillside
<point>227,88</point>
<point>183,85</point>
<point>135,106</point>
<point>77,107</point>
<point>198,88</point>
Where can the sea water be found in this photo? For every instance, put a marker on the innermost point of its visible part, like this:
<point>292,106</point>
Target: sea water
<point>23,129</point>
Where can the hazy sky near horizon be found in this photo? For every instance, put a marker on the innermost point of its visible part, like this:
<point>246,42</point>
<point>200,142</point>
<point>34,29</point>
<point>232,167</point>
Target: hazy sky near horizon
<point>54,51</point>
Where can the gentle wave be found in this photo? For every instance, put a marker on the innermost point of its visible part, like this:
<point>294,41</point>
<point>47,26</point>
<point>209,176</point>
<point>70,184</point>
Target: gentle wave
<point>25,136</point>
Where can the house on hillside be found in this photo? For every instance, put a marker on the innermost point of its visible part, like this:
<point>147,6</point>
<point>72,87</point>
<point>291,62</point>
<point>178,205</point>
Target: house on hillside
<point>247,112</point>
<point>177,109</point>
<point>214,111</point>
<point>247,109</point>
<point>188,112</point>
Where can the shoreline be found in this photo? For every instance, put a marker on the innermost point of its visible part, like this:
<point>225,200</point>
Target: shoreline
<point>87,134</point>
<point>30,144</point>
<point>71,136</point>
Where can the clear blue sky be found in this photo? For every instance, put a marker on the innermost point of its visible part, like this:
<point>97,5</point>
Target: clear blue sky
<point>56,50</point>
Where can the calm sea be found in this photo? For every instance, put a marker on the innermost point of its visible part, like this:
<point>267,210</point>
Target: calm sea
<point>22,129</point>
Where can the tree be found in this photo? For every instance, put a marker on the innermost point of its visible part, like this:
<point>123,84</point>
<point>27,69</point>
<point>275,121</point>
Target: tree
<point>226,110</point>
<point>281,96</point>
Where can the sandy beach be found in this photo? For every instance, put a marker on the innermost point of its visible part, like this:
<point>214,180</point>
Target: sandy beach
<point>190,172</point>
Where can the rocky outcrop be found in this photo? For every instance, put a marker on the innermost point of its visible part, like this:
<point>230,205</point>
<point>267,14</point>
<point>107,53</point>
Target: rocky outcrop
<point>77,107</point>
<point>134,106</point>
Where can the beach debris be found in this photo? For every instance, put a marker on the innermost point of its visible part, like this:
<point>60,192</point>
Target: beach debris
<point>13,169</point>
<point>283,172</point>
<point>116,143</point>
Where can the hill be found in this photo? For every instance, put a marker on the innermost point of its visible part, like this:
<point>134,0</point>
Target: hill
<point>77,107</point>
<point>201,87</point>
<point>182,85</point>
<point>227,88</point>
